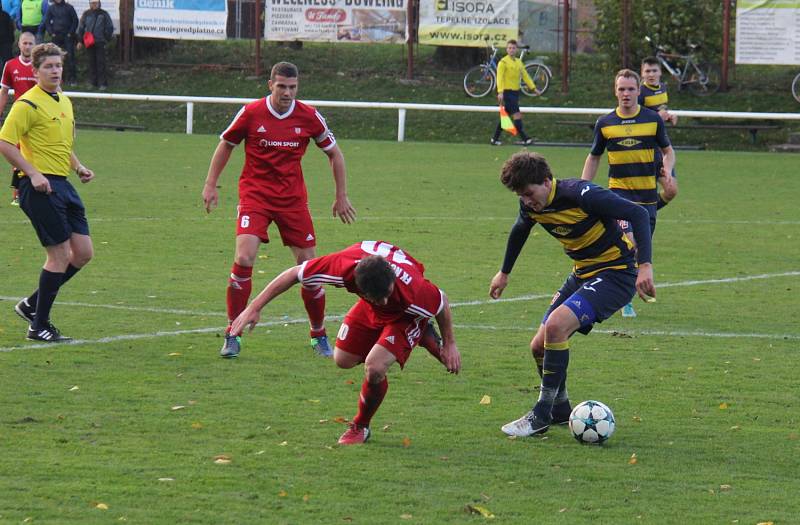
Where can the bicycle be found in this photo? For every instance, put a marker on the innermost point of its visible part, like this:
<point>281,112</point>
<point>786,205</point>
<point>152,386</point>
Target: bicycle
<point>702,78</point>
<point>796,87</point>
<point>480,80</point>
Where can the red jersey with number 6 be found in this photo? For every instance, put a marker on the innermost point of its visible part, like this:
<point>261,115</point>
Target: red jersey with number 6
<point>274,144</point>
<point>413,295</point>
<point>18,75</point>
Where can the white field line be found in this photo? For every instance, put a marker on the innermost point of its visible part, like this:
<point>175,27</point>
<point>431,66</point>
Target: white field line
<point>477,302</point>
<point>129,337</point>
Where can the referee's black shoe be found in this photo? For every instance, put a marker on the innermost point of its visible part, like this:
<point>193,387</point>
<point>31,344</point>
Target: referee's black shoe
<point>47,334</point>
<point>25,310</point>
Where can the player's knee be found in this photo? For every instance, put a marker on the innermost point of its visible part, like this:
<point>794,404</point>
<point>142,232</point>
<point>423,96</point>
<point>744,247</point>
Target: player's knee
<point>344,359</point>
<point>245,259</point>
<point>374,373</point>
<point>537,345</point>
<point>555,330</point>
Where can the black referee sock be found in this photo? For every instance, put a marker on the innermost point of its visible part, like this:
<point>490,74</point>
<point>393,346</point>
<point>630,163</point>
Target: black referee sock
<point>71,271</point>
<point>518,125</point>
<point>497,132</point>
<point>49,283</point>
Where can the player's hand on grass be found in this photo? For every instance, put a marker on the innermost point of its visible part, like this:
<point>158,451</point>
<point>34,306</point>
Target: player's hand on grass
<point>210,197</point>
<point>451,358</point>
<point>40,183</point>
<point>84,174</point>
<point>247,319</point>
<point>344,210</point>
<point>645,285</point>
<point>498,284</point>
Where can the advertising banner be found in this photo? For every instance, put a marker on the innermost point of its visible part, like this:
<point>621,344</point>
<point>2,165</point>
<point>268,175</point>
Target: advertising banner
<point>180,19</point>
<point>768,32</point>
<point>337,20</point>
<point>467,23</point>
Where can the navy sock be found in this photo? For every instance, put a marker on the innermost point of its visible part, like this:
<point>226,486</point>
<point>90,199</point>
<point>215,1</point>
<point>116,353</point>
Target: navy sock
<point>497,132</point>
<point>518,125</point>
<point>71,270</point>
<point>556,361</point>
<point>49,283</point>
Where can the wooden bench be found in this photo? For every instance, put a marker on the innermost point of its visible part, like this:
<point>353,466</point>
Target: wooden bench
<point>102,125</point>
<point>752,128</point>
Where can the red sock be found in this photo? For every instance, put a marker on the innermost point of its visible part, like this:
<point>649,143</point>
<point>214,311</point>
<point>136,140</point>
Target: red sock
<point>314,300</point>
<point>371,398</point>
<point>239,287</point>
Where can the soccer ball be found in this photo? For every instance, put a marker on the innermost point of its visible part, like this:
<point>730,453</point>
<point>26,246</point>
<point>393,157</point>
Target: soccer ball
<point>592,422</point>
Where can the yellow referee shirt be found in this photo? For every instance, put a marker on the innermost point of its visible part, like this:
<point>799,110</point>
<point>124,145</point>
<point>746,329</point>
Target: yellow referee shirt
<point>44,128</point>
<point>510,73</point>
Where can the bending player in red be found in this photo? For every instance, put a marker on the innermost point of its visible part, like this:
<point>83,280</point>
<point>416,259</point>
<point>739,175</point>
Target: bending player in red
<point>388,321</point>
<point>276,131</point>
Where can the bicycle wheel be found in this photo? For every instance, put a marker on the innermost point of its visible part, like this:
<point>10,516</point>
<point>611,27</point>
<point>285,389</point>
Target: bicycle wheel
<point>704,79</point>
<point>479,81</point>
<point>796,87</point>
<point>541,77</point>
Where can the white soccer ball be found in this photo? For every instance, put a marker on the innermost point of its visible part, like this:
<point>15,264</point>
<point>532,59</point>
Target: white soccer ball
<point>592,422</point>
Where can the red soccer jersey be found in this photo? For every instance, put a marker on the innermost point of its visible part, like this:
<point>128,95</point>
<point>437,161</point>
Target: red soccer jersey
<point>18,75</point>
<point>274,144</point>
<point>413,295</point>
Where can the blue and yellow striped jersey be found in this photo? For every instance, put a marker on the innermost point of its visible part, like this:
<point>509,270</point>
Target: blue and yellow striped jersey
<point>631,143</point>
<point>653,97</point>
<point>583,217</point>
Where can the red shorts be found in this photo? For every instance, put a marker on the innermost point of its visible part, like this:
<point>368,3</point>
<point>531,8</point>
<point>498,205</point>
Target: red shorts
<point>295,226</point>
<point>360,332</point>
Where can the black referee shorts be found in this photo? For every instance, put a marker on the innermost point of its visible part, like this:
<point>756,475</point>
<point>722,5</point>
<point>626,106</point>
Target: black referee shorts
<point>56,216</point>
<point>511,101</point>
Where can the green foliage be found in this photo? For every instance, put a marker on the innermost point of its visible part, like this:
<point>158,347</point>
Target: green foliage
<point>701,382</point>
<point>673,24</point>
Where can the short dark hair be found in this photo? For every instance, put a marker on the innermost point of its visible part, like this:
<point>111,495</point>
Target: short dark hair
<point>374,277</point>
<point>283,69</point>
<point>650,61</point>
<point>627,73</point>
<point>512,41</point>
<point>40,53</point>
<point>524,168</point>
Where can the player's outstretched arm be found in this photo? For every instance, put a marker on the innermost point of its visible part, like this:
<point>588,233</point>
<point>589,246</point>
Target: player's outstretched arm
<point>341,205</point>
<point>250,316</point>
<point>590,167</point>
<point>451,358</point>
<point>498,284</point>
<point>218,162</point>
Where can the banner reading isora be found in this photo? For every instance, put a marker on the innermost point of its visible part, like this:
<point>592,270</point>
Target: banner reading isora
<point>180,19</point>
<point>467,23</point>
<point>337,20</point>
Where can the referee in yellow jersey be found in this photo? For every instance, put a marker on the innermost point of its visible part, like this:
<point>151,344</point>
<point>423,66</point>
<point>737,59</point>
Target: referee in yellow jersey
<point>41,121</point>
<point>510,73</point>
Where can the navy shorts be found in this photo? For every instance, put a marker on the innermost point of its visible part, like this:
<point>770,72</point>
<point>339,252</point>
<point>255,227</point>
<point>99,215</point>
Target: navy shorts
<point>56,216</point>
<point>511,101</point>
<point>595,299</point>
<point>652,211</point>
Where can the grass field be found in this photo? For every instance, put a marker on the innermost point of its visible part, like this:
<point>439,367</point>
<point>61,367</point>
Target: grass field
<point>125,425</point>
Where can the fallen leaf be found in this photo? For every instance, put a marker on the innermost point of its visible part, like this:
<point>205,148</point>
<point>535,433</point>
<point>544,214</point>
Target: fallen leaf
<point>323,420</point>
<point>178,407</point>
<point>765,523</point>
<point>634,460</point>
<point>736,427</point>
<point>563,510</point>
<point>386,428</point>
<point>74,388</point>
<point>222,459</point>
<point>282,493</point>
<point>480,509</point>
<point>340,419</point>
<point>192,402</point>
<point>174,354</point>
<point>637,419</point>
<point>306,497</point>
<point>486,400</point>
<point>166,479</point>
<point>101,506</point>
<point>406,442</point>
<point>406,516</point>
<point>723,406</point>
<point>756,359</point>
<point>283,443</point>
<point>313,400</point>
<point>725,487</point>
<point>260,452</point>
<point>197,425</point>
<point>348,382</point>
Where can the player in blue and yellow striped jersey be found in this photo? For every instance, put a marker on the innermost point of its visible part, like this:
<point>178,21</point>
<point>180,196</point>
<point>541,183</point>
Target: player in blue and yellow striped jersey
<point>653,95</point>
<point>608,271</point>
<point>631,134</point>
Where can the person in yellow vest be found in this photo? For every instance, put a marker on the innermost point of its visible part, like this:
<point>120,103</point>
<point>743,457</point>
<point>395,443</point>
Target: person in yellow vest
<point>31,18</point>
<point>510,72</point>
<point>42,123</point>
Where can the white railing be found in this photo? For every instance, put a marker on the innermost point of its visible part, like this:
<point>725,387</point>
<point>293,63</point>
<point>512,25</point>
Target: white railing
<point>402,108</point>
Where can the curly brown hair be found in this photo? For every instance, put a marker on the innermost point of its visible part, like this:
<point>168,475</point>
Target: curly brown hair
<point>40,53</point>
<point>524,168</point>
